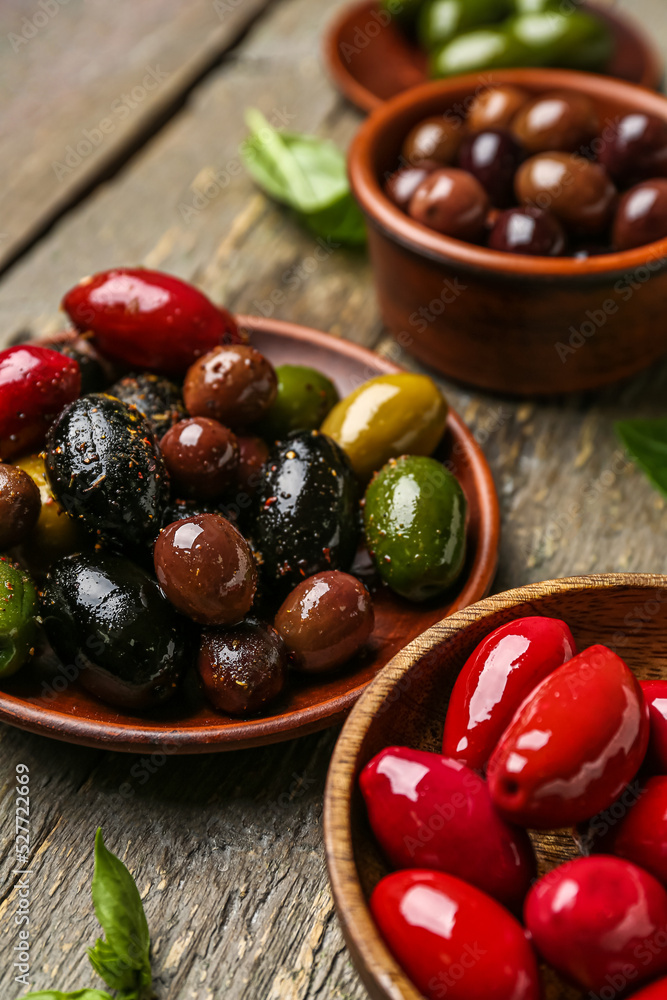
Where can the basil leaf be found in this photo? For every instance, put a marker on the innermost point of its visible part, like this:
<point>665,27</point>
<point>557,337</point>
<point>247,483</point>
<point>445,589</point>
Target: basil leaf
<point>646,443</point>
<point>119,909</point>
<point>57,995</point>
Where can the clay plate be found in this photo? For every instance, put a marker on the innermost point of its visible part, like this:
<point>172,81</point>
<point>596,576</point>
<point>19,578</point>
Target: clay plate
<point>190,725</point>
<point>371,62</point>
<point>406,705</point>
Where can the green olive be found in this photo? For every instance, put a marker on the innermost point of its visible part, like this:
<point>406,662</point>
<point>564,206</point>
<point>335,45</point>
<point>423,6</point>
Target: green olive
<point>535,6</point>
<point>55,533</point>
<point>415,522</point>
<point>304,398</point>
<point>387,417</point>
<point>440,20</point>
<point>474,51</point>
<point>18,608</point>
<point>551,38</point>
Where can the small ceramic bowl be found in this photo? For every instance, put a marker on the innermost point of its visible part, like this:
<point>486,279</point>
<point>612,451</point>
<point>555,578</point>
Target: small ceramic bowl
<point>507,322</point>
<point>406,706</point>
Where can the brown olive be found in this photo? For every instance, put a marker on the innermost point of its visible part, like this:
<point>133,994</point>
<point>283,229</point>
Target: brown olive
<point>452,202</point>
<point>20,505</point>
<point>242,667</point>
<point>253,453</point>
<point>437,138</point>
<point>402,184</point>
<point>201,456</point>
<point>560,120</point>
<point>234,384</point>
<point>495,107</point>
<point>642,215</point>
<point>205,567</point>
<point>325,621</point>
<point>579,193</point>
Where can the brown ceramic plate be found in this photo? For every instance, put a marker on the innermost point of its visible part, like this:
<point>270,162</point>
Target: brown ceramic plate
<point>371,62</point>
<point>190,725</point>
<point>406,706</point>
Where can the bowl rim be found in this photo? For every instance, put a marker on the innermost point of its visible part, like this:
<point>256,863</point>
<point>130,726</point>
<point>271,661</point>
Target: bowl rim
<point>379,970</point>
<point>399,227</point>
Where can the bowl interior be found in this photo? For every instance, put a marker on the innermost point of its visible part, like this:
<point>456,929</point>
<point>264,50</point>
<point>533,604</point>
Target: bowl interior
<point>407,704</point>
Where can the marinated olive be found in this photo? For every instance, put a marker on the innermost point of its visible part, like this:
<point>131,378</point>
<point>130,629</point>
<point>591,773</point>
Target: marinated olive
<point>558,120</point>
<point>642,215</point>
<point>636,149</point>
<point>492,157</point>
<point>579,193</point>
<point>180,509</point>
<point>105,469</point>
<point>253,453</point>
<point>96,372</point>
<point>55,534</point>
<point>242,667</point>
<point>206,569</point>
<point>109,621</point>
<point>527,230</point>
<point>452,202</point>
<point>553,38</point>
<point>434,140</point>
<point>234,384</point>
<point>20,504</point>
<point>18,610</point>
<point>307,516</point>
<point>474,51</point>
<point>440,20</point>
<point>495,107</point>
<point>386,417</point>
<point>325,621</point>
<point>402,184</point>
<point>415,523</point>
<point>153,395</point>
<point>304,397</point>
<point>201,457</point>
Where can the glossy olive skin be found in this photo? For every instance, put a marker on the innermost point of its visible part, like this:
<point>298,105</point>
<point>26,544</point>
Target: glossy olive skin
<point>636,150</point>
<point>303,399</point>
<point>20,504</point>
<point>475,51</point>
<point>109,619</point>
<point>158,399</point>
<point>96,371</point>
<point>452,202</point>
<point>528,230</point>
<point>433,141</point>
<point>253,453</point>
<point>579,193</point>
<point>557,120</point>
<point>441,20</point>
<point>558,763</point>
<point>655,695</point>
<point>503,669</point>
<point>641,216</point>
<point>307,517</point>
<point>492,157</point>
<point>234,384</point>
<point>201,457</point>
<point>205,567</point>
<point>405,790</point>
<point>180,510</point>
<point>55,534</point>
<point>402,184</point>
<point>386,417</point>
<point>415,524</point>
<point>18,608</point>
<point>640,835</point>
<point>243,667</point>
<point>496,107</point>
<point>594,919</point>
<point>573,39</point>
<point>325,621</point>
<point>447,935</point>
<point>105,469</point>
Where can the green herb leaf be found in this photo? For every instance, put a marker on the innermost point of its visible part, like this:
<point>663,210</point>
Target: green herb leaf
<point>57,995</point>
<point>307,174</point>
<point>115,972</point>
<point>646,443</point>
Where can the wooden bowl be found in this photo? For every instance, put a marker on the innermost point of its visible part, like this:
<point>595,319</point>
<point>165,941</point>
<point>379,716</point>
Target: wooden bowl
<point>34,702</point>
<point>371,61</point>
<point>406,705</point>
<point>507,322</point>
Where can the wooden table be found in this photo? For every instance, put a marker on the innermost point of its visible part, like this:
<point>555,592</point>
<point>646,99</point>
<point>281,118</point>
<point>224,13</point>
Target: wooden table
<point>120,132</point>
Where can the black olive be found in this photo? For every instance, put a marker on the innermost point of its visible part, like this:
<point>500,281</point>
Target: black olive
<point>156,397</point>
<point>96,371</point>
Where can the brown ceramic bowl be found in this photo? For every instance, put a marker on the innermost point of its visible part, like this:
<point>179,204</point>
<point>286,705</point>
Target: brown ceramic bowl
<point>406,705</point>
<point>371,61</point>
<point>65,711</point>
<point>503,321</point>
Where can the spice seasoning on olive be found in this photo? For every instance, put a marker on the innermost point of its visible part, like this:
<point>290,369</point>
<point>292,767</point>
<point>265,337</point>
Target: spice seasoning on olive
<point>641,216</point>
<point>234,384</point>
<point>452,202</point>
<point>20,504</point>
<point>201,457</point>
<point>206,569</point>
<point>325,621</point>
<point>401,185</point>
<point>253,453</point>
<point>243,667</point>
<point>527,230</point>
<point>180,509</point>
<point>492,157</point>
<point>436,140</point>
<point>635,149</point>
<point>18,610</point>
<point>303,399</point>
<point>153,395</point>
<point>496,107</point>
<point>579,193</point>
<point>96,371</point>
<point>560,120</point>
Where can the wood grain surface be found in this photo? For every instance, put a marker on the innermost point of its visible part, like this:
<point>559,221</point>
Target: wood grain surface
<point>227,851</point>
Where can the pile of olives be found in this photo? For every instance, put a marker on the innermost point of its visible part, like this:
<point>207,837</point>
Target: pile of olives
<point>540,175</point>
<point>224,516</point>
<point>468,36</point>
